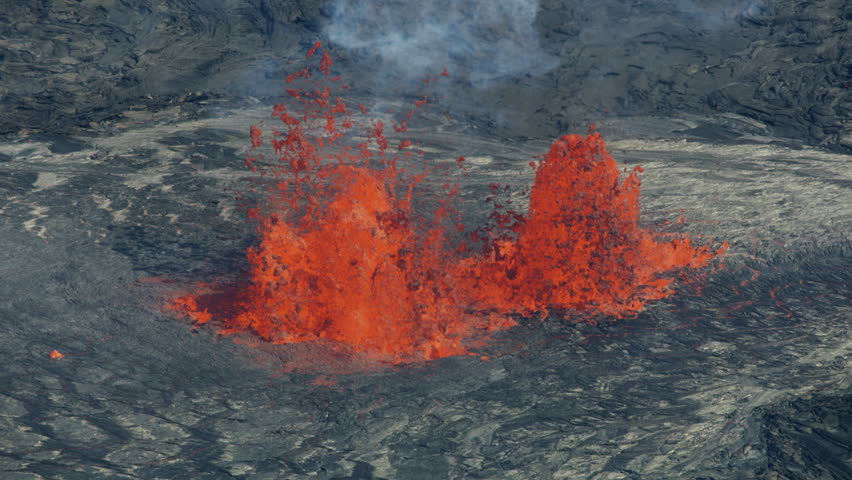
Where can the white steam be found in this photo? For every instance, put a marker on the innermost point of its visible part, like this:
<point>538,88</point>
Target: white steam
<point>485,39</point>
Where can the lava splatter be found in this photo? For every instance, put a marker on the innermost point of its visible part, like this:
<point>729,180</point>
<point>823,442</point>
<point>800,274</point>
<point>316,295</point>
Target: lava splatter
<point>342,255</point>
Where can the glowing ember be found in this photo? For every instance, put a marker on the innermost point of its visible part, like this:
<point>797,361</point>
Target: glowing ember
<point>343,257</point>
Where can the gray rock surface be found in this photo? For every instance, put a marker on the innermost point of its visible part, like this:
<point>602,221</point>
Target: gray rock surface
<point>748,378</point>
<point>66,64</point>
<point>124,129</point>
<point>783,63</point>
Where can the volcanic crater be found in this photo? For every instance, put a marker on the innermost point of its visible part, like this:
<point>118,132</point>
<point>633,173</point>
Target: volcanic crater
<point>217,264</point>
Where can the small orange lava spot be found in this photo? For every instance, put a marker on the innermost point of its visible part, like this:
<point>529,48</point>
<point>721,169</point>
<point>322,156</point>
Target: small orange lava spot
<point>56,355</point>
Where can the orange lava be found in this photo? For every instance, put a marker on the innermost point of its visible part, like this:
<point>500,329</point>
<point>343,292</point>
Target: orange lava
<point>342,256</point>
<point>56,355</point>
<point>580,246</point>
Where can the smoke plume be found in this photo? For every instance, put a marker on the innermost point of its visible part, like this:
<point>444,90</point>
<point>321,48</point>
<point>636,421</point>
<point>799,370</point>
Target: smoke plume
<point>484,39</point>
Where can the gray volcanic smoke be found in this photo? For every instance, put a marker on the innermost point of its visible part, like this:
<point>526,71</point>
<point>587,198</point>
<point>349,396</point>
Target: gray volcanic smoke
<point>486,39</point>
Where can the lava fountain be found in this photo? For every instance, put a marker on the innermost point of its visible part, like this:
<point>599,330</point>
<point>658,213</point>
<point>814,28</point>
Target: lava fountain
<point>343,256</point>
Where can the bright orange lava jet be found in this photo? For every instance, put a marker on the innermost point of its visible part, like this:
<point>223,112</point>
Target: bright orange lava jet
<point>342,256</point>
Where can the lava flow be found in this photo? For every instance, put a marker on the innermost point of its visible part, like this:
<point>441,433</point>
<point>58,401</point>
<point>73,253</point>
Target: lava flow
<point>344,257</point>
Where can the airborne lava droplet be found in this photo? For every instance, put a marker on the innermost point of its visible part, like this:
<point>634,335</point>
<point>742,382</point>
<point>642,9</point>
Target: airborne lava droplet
<point>342,256</point>
<point>313,50</point>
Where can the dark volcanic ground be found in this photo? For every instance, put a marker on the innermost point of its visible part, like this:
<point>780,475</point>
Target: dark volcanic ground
<point>112,199</point>
<point>70,64</point>
<point>749,378</point>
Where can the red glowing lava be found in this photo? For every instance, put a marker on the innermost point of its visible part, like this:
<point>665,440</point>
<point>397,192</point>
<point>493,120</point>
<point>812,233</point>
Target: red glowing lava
<point>342,255</point>
<point>580,246</point>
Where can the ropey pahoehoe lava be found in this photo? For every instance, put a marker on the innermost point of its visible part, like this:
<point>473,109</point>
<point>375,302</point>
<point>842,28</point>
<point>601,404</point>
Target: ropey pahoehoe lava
<point>344,256</point>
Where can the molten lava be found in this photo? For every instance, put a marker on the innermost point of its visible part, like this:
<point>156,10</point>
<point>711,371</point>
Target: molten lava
<point>342,255</point>
<point>580,246</point>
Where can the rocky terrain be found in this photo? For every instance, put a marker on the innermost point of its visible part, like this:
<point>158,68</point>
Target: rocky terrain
<point>747,378</point>
<point>783,64</point>
<point>125,130</point>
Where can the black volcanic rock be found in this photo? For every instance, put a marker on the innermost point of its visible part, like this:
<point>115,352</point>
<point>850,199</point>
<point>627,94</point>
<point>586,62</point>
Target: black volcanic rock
<point>810,438</point>
<point>745,378</point>
<point>69,63</point>
<point>783,63</point>
<point>122,182</point>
